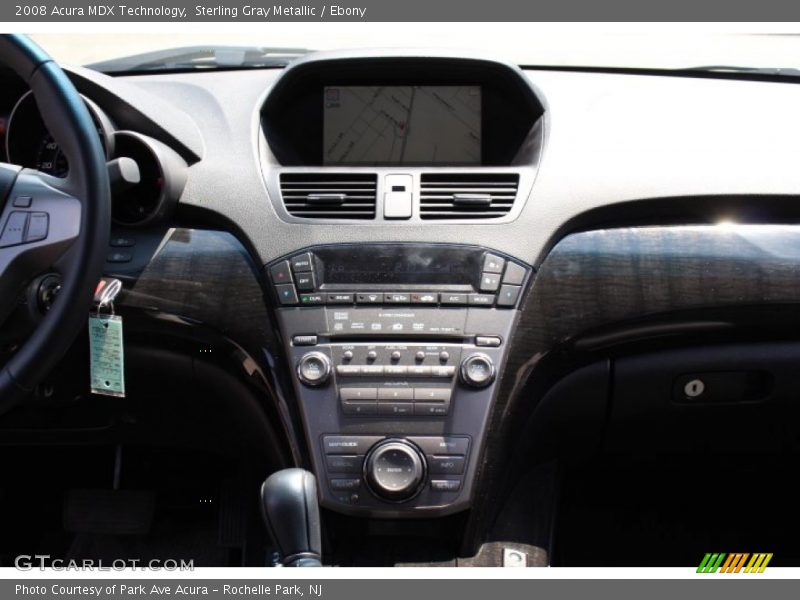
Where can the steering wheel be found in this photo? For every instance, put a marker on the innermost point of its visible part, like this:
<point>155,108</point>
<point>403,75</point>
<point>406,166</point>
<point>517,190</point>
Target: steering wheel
<point>44,220</point>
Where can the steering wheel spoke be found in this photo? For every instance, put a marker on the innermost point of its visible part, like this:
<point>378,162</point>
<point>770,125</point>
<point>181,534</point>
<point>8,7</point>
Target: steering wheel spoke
<point>38,224</point>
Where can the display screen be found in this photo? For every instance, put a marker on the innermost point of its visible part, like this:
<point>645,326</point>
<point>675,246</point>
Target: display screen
<point>402,125</point>
<point>390,266</point>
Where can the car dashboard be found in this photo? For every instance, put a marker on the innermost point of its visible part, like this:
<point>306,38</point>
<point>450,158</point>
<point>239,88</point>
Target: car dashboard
<point>401,240</point>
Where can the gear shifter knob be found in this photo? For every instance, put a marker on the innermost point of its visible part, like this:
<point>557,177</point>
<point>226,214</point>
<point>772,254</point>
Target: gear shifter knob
<point>291,513</point>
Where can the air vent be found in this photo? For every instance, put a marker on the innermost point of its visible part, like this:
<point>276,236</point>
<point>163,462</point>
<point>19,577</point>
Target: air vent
<point>329,196</point>
<point>467,195</point>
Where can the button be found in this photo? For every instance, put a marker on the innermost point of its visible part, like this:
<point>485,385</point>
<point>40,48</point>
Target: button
<point>508,295</point>
<point>431,409</point>
<point>340,298</point>
<point>359,393</point>
<point>369,298</point>
<point>347,355</point>
<point>37,227</point>
<point>490,282</point>
<point>420,355</point>
<point>14,229</point>
<point>457,299</point>
<point>446,465</point>
<point>444,356</point>
<point>349,444</point>
<point>489,341</point>
<point>442,445</point>
<point>286,294</point>
<point>121,242</point>
<point>395,394</point>
<point>395,370</point>
<point>515,274</point>
<point>432,394</point>
<point>119,257</point>
<point>302,263</point>
<point>304,340</point>
<point>419,371</point>
<point>398,409</point>
<point>397,298</point>
<point>364,409</point>
<point>280,272</point>
<point>396,355</point>
<point>374,370</point>
<point>342,485</point>
<point>443,371</point>
<point>397,205</point>
<point>312,298</point>
<point>372,355</point>
<point>22,202</point>
<point>493,264</point>
<point>348,370</point>
<point>424,298</point>
<point>481,299</point>
<point>445,485</point>
<point>305,281</point>
<point>344,463</point>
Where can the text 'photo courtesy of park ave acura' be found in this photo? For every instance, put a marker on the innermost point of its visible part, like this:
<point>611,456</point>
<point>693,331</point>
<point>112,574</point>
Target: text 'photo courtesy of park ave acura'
<point>290,288</point>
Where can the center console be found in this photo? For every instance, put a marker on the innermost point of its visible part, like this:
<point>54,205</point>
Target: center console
<point>396,350</point>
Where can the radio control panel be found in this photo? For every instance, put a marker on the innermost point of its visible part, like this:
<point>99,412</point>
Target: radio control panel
<point>396,393</point>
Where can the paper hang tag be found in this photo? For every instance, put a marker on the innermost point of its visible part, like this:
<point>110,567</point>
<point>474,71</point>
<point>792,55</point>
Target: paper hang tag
<point>106,355</point>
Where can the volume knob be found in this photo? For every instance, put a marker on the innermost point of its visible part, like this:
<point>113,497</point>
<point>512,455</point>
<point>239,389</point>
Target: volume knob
<point>314,369</point>
<point>477,370</point>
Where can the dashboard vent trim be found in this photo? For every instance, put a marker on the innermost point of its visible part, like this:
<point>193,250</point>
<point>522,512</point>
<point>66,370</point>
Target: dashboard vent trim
<point>467,195</point>
<point>329,195</point>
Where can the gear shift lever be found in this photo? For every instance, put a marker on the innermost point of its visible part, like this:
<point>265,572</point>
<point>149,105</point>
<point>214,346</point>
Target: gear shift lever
<point>291,513</point>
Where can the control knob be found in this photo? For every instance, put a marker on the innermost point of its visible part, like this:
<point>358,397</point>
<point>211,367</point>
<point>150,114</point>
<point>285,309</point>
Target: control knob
<point>314,369</point>
<point>477,370</point>
<point>395,470</point>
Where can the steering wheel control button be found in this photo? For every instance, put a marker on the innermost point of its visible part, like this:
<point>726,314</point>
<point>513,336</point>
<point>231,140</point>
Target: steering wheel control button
<point>508,295</point>
<point>481,299</point>
<point>304,340</point>
<point>22,202</point>
<point>348,444</point>
<point>445,485</point>
<point>14,231</point>
<point>490,341</point>
<point>446,465</point>
<point>286,294</point>
<point>395,470</point>
<point>344,463</point>
<point>314,369</point>
<point>477,370</point>
<point>493,264</point>
<point>280,273</point>
<point>302,263</point>
<point>305,281</point>
<point>514,275</point>
<point>490,282</point>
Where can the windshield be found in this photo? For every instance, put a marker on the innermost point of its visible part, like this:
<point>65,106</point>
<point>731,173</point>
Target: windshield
<point>519,43</point>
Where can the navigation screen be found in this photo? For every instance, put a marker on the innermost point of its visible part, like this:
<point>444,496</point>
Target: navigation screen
<point>395,125</point>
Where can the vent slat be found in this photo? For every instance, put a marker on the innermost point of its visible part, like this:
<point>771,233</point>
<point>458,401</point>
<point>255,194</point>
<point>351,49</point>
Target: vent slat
<point>359,191</point>
<point>438,192</point>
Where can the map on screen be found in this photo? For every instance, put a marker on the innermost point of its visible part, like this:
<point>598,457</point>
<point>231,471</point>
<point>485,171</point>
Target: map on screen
<point>392,125</point>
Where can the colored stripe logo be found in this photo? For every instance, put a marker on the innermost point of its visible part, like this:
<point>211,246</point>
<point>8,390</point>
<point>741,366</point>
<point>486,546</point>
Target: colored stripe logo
<point>738,562</point>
